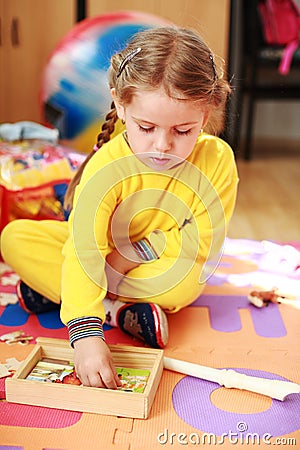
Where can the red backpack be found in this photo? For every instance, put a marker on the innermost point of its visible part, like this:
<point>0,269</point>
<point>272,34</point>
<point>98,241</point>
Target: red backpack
<point>281,26</point>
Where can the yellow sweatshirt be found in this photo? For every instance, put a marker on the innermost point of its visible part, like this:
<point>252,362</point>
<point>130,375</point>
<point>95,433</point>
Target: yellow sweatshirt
<point>180,213</point>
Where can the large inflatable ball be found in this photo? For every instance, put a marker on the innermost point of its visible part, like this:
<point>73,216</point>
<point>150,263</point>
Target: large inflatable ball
<point>75,95</point>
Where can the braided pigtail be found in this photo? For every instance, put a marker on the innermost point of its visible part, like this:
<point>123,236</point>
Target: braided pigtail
<point>107,129</point>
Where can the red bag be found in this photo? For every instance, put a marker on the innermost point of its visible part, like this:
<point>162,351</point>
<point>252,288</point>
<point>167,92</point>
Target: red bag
<point>281,26</point>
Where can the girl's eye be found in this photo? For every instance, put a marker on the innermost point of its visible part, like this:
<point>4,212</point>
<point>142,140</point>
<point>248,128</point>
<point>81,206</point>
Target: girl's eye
<point>183,132</point>
<point>146,129</point>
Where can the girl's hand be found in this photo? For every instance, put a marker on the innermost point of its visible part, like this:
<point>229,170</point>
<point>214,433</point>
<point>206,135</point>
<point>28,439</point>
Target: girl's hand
<point>93,363</point>
<point>117,265</point>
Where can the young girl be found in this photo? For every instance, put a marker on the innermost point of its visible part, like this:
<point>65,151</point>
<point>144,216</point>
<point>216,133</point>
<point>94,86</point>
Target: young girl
<point>149,208</point>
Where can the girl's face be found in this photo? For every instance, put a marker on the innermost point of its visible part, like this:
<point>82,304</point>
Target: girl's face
<point>161,131</point>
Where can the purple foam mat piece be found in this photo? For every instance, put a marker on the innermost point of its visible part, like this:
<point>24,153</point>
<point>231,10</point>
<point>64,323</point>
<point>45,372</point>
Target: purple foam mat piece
<point>191,401</point>
<point>225,316</point>
<point>9,447</point>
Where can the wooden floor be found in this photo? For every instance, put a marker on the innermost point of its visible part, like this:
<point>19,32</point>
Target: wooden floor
<point>268,203</point>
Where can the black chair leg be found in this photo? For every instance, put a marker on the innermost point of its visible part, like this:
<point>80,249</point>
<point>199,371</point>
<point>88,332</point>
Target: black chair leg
<point>237,123</point>
<point>249,128</point>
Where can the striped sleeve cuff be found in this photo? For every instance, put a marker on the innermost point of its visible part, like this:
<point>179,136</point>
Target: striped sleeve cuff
<point>144,250</point>
<point>85,327</point>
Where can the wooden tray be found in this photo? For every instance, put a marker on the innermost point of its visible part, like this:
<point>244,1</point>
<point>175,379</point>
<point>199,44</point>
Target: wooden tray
<point>83,398</point>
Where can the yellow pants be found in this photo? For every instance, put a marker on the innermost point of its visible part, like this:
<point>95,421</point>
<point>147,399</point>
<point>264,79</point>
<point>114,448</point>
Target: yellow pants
<point>33,249</point>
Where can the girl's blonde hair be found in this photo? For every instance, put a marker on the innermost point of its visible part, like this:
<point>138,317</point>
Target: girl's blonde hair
<point>174,58</point>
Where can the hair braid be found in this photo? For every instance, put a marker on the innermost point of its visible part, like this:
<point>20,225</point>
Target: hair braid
<point>107,129</point>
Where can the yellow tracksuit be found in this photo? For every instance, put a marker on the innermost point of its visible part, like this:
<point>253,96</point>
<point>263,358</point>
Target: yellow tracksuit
<point>182,212</point>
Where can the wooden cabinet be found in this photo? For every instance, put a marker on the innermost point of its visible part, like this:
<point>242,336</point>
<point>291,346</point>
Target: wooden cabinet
<point>29,31</point>
<point>209,17</point>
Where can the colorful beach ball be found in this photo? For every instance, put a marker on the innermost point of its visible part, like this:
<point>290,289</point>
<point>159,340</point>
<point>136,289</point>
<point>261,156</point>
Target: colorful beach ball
<point>75,95</point>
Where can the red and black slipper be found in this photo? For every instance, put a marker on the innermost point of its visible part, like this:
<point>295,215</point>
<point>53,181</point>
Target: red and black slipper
<point>32,302</point>
<point>145,321</point>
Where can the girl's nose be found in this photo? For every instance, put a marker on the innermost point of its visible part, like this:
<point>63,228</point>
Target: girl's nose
<point>163,142</point>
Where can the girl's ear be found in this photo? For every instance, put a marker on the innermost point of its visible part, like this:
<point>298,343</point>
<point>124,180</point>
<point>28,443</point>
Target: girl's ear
<point>205,119</point>
<point>119,107</point>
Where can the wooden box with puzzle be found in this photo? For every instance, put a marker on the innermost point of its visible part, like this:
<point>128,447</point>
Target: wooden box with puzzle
<point>47,378</point>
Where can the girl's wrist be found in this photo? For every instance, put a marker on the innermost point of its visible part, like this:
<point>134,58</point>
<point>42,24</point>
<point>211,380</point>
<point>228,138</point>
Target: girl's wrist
<point>84,327</point>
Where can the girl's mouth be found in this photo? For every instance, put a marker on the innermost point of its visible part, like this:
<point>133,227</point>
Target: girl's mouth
<point>160,161</point>
<point>155,162</point>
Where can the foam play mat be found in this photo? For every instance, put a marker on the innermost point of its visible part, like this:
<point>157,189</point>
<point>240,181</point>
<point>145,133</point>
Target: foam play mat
<point>221,329</point>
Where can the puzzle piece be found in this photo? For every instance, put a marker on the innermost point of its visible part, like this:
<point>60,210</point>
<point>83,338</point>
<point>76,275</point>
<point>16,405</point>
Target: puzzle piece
<point>13,363</point>
<point>7,298</point>
<point>10,279</point>
<point>4,372</point>
<point>16,337</point>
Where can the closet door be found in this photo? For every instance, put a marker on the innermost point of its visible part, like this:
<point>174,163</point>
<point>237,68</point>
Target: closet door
<point>29,31</point>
